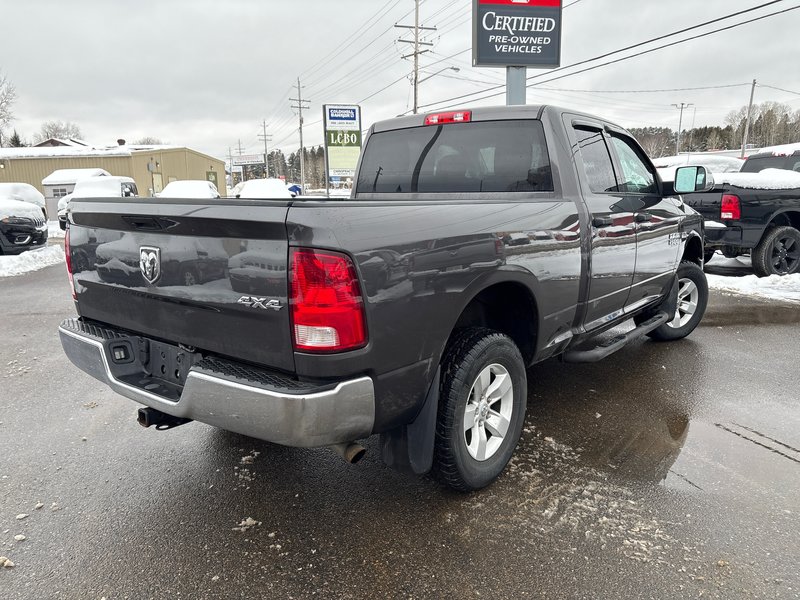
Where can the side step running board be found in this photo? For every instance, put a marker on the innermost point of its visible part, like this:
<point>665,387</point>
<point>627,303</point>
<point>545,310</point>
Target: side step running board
<point>616,343</point>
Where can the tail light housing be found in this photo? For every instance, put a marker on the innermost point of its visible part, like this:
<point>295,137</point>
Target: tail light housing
<point>731,209</point>
<point>327,307</point>
<point>69,263</point>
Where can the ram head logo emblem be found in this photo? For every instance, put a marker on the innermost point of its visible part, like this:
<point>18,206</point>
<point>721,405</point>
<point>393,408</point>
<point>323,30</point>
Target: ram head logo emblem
<point>150,263</point>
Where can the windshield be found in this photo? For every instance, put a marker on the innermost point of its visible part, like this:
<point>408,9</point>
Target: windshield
<point>757,164</point>
<point>491,156</point>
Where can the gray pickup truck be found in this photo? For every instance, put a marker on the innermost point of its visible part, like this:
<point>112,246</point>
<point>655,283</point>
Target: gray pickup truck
<point>475,243</point>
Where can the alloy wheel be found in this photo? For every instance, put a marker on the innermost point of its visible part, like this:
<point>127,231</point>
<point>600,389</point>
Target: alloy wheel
<point>487,415</point>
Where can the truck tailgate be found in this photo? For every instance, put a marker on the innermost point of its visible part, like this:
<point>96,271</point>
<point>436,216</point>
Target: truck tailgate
<point>209,276</point>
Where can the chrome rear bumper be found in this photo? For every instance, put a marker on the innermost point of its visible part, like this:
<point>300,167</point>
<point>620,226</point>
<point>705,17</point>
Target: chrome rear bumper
<point>340,413</point>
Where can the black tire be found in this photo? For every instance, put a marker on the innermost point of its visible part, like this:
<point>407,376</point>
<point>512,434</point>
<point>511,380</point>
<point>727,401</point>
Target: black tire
<point>778,252</point>
<point>468,354</point>
<point>708,255</point>
<point>672,330</point>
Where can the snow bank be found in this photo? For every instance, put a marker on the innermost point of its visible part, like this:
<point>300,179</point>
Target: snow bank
<point>774,287</point>
<point>768,179</point>
<point>54,230</point>
<point>32,260</point>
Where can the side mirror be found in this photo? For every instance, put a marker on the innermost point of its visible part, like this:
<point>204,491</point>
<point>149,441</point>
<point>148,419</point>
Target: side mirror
<point>689,180</point>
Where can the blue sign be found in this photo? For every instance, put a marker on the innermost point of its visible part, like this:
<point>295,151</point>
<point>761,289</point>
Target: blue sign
<point>341,114</point>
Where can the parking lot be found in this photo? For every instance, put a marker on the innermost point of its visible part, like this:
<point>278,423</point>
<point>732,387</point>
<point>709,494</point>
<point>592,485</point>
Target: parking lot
<point>667,470</point>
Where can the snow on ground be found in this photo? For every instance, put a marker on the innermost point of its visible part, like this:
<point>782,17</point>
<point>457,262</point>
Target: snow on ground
<point>32,260</point>
<point>54,230</point>
<point>773,288</point>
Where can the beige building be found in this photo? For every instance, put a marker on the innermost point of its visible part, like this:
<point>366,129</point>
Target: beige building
<point>152,167</point>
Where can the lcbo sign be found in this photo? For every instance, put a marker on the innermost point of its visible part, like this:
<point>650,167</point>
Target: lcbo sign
<point>516,33</point>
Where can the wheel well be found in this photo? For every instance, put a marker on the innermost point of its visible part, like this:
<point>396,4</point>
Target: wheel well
<point>787,218</point>
<point>508,308</point>
<point>694,251</point>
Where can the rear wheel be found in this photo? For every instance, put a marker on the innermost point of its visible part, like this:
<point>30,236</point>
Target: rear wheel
<point>482,402</point>
<point>692,301</point>
<point>778,252</point>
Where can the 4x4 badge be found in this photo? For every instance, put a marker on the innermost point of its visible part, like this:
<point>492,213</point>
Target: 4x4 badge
<point>150,263</point>
<point>265,303</point>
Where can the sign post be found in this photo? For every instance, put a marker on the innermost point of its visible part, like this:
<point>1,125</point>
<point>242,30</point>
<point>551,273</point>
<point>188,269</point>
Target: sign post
<point>516,34</point>
<point>342,141</point>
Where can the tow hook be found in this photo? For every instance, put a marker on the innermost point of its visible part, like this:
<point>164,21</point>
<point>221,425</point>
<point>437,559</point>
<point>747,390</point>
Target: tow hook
<point>150,416</point>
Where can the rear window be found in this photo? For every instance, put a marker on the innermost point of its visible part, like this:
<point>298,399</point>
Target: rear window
<point>757,164</point>
<point>489,156</point>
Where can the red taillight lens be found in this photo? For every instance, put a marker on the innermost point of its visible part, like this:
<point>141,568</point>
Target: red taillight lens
<point>326,303</point>
<point>460,116</point>
<point>69,263</point>
<point>731,209</point>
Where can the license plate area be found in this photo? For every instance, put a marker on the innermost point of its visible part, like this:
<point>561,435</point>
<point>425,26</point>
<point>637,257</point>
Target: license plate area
<point>168,363</point>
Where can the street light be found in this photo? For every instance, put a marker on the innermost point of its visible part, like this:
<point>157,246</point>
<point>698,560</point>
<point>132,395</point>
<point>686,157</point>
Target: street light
<point>456,69</point>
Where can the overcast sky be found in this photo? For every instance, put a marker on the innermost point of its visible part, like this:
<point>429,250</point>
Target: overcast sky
<point>205,74</point>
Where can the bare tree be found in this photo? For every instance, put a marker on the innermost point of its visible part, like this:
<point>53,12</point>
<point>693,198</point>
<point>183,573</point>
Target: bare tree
<point>148,141</point>
<point>57,129</point>
<point>8,95</point>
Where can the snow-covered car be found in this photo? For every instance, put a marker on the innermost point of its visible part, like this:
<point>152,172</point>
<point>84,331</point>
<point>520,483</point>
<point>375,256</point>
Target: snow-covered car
<point>111,186</point>
<point>667,165</point>
<point>190,188</point>
<point>22,227</point>
<point>257,189</point>
<point>23,192</point>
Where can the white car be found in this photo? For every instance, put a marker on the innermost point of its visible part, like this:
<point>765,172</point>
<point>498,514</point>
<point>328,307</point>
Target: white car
<point>269,189</point>
<point>190,188</point>
<point>23,192</point>
<point>667,165</point>
<point>111,186</point>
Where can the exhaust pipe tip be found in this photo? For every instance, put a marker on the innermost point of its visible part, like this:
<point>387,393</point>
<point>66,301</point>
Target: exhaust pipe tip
<point>351,452</point>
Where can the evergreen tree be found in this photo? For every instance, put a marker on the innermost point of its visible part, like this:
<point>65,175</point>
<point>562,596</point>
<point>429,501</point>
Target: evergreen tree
<point>15,141</point>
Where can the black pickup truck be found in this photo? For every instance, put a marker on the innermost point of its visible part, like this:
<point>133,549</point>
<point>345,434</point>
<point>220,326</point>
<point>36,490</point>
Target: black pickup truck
<point>475,243</point>
<point>756,212</point>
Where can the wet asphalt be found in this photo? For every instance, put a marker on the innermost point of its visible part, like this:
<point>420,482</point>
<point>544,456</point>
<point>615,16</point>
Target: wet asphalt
<point>665,471</point>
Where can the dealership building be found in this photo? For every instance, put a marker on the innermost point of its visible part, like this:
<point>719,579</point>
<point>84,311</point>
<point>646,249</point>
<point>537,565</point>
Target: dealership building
<point>151,167</point>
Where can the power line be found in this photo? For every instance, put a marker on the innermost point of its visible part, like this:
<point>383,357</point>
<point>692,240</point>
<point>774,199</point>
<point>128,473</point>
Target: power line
<point>686,89</point>
<point>631,47</point>
<point>362,29</point>
<point>772,87</point>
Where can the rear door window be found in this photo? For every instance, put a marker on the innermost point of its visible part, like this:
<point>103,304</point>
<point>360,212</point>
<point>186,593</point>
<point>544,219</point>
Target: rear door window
<point>488,156</point>
<point>596,159</point>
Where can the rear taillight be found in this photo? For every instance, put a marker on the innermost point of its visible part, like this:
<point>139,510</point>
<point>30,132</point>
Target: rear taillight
<point>326,303</point>
<point>460,116</point>
<point>731,209</point>
<point>69,263</point>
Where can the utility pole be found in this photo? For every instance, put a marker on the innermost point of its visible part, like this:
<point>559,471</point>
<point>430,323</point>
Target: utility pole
<point>417,43</point>
<point>747,120</point>
<point>266,138</point>
<point>230,163</point>
<point>301,104</point>
<point>240,147</point>
<point>681,107</point>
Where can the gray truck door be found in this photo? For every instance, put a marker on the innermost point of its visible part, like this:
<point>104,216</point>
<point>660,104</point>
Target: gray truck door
<point>613,230</point>
<point>657,220</point>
